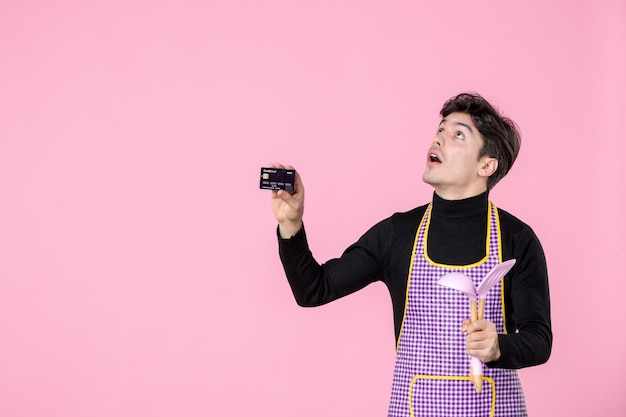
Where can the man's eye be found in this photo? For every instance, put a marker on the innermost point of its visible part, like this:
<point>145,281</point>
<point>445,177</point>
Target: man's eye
<point>440,130</point>
<point>460,135</point>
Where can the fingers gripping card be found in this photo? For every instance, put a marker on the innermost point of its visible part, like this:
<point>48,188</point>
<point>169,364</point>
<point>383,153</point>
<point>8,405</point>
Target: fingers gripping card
<point>277,179</point>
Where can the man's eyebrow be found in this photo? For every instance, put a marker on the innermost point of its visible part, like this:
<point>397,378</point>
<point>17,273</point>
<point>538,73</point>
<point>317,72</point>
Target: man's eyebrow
<point>465,125</point>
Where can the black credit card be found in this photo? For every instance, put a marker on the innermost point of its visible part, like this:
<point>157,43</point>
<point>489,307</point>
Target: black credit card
<point>277,179</point>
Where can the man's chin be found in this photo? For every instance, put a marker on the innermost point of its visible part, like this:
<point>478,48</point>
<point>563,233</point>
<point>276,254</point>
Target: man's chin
<point>428,179</point>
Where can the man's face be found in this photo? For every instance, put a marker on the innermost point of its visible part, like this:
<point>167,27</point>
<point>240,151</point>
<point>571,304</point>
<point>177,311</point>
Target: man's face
<point>452,163</point>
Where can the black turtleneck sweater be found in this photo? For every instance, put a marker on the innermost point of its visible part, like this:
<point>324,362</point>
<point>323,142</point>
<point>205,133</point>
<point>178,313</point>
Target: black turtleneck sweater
<point>457,236</point>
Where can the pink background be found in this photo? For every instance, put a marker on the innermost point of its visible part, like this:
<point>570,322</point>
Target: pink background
<point>138,267</point>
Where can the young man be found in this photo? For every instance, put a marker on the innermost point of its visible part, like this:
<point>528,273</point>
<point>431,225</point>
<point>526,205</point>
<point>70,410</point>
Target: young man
<point>459,230</point>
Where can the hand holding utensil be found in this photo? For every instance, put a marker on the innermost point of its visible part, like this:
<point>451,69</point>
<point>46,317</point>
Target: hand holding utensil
<point>461,282</point>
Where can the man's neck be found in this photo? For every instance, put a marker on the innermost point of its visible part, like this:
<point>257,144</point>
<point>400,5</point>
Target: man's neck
<point>457,209</point>
<point>456,194</point>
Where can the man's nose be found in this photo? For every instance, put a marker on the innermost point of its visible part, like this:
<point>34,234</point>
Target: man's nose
<point>437,140</point>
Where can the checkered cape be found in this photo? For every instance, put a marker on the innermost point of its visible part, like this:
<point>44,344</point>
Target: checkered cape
<point>431,376</point>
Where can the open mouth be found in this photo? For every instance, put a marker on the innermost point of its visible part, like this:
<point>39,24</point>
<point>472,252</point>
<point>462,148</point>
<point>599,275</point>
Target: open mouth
<point>434,158</point>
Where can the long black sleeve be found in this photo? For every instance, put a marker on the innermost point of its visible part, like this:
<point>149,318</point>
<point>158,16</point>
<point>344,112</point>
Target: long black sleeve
<point>384,253</point>
<point>528,340</point>
<point>313,284</point>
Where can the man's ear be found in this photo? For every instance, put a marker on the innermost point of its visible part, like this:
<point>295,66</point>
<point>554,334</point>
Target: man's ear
<point>488,166</point>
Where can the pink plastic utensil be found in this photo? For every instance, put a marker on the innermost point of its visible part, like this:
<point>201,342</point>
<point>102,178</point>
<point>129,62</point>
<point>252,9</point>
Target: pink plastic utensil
<point>492,278</point>
<point>461,282</point>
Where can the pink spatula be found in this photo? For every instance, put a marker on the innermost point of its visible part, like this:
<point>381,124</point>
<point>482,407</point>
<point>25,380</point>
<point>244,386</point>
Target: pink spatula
<point>461,282</point>
<point>492,278</point>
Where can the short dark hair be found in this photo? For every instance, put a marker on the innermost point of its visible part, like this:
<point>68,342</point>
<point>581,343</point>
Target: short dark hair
<point>501,136</point>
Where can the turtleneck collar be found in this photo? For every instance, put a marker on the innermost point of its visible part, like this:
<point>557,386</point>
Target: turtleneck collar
<point>458,209</point>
